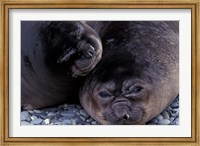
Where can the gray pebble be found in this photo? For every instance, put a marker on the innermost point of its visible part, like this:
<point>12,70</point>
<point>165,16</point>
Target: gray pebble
<point>75,110</point>
<point>73,122</point>
<point>164,122</point>
<point>175,105</point>
<point>94,122</point>
<point>50,114</point>
<point>67,122</point>
<point>43,116</point>
<point>57,123</point>
<point>78,113</point>
<point>174,112</point>
<point>165,115</point>
<point>65,105</point>
<point>63,118</point>
<point>25,123</point>
<point>30,111</point>
<point>37,111</point>
<point>89,120</point>
<point>67,114</point>
<point>47,121</point>
<point>78,119</point>
<point>83,118</point>
<point>171,119</point>
<point>83,113</point>
<point>36,121</point>
<point>153,121</point>
<point>159,117</point>
<point>24,116</point>
<point>54,120</point>
<point>177,121</point>
<point>34,117</point>
<point>78,107</point>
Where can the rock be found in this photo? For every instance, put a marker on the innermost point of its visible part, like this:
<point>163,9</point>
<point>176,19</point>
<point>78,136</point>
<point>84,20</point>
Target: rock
<point>175,105</point>
<point>89,120</point>
<point>63,118</point>
<point>83,113</point>
<point>37,111</point>
<point>47,121</point>
<point>43,116</point>
<point>73,122</point>
<point>83,118</point>
<point>25,116</point>
<point>65,106</point>
<point>67,113</point>
<point>34,117</point>
<point>154,120</point>
<point>50,114</point>
<point>78,107</point>
<point>174,112</point>
<point>36,121</point>
<point>177,121</point>
<point>24,123</point>
<point>67,122</point>
<point>78,119</point>
<point>164,122</point>
<point>57,123</point>
<point>171,119</point>
<point>159,117</point>
<point>94,122</point>
<point>165,115</point>
<point>30,111</point>
<point>76,115</point>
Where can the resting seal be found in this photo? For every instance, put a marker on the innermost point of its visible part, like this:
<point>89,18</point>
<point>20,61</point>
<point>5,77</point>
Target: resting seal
<point>138,75</point>
<point>55,57</point>
<point>134,79</point>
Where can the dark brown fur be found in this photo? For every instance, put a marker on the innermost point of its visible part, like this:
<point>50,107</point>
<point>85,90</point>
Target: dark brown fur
<point>143,54</point>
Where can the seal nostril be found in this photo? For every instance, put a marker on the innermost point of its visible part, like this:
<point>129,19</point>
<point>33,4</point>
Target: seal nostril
<point>126,117</point>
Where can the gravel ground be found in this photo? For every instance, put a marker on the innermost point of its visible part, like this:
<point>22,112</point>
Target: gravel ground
<point>76,115</point>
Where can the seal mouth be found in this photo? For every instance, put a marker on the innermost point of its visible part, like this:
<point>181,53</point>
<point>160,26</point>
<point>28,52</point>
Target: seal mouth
<point>133,116</point>
<point>90,52</point>
<point>83,66</point>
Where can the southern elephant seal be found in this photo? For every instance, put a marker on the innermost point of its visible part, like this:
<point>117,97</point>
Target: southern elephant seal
<point>55,58</point>
<point>138,75</point>
<point>136,78</point>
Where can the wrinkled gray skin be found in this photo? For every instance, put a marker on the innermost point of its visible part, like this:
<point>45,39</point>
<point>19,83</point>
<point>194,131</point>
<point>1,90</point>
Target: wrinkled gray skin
<point>138,75</point>
<point>55,58</point>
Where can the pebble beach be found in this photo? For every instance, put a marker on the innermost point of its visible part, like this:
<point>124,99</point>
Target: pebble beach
<point>75,115</point>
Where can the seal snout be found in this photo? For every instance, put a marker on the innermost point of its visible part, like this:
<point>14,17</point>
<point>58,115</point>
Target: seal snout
<point>126,117</point>
<point>123,115</point>
<point>121,109</point>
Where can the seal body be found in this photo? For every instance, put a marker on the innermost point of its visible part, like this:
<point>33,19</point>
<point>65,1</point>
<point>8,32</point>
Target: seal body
<point>138,75</point>
<point>55,58</point>
<point>127,71</point>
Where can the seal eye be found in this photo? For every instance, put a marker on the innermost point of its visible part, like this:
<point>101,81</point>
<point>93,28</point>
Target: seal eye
<point>104,94</point>
<point>137,89</point>
<point>134,91</point>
